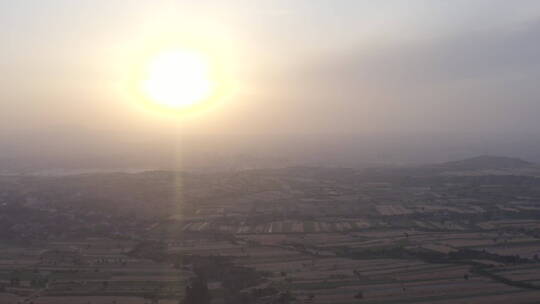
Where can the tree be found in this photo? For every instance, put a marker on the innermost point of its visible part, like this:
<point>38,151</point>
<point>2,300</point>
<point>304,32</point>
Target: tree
<point>197,292</point>
<point>285,298</point>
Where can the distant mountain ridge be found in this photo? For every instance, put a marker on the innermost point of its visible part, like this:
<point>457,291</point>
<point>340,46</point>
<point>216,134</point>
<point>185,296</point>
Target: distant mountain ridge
<point>486,162</point>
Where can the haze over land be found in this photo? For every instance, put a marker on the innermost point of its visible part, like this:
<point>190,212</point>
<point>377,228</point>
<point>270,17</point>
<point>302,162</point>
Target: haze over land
<point>66,151</point>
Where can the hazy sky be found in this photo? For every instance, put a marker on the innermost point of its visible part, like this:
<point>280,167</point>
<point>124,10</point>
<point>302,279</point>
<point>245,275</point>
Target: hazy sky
<point>368,67</point>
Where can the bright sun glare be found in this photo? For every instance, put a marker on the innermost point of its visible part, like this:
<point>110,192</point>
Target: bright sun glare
<point>178,79</point>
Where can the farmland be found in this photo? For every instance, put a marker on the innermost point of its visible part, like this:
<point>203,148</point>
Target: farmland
<point>292,235</point>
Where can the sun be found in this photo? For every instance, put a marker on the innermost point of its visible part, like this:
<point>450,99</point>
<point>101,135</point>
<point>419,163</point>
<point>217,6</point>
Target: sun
<point>178,79</point>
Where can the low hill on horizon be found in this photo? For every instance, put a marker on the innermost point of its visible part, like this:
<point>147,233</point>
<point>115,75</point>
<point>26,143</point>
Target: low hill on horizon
<point>486,162</point>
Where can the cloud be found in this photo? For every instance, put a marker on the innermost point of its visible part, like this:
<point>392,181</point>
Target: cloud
<point>472,81</point>
<point>467,56</point>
